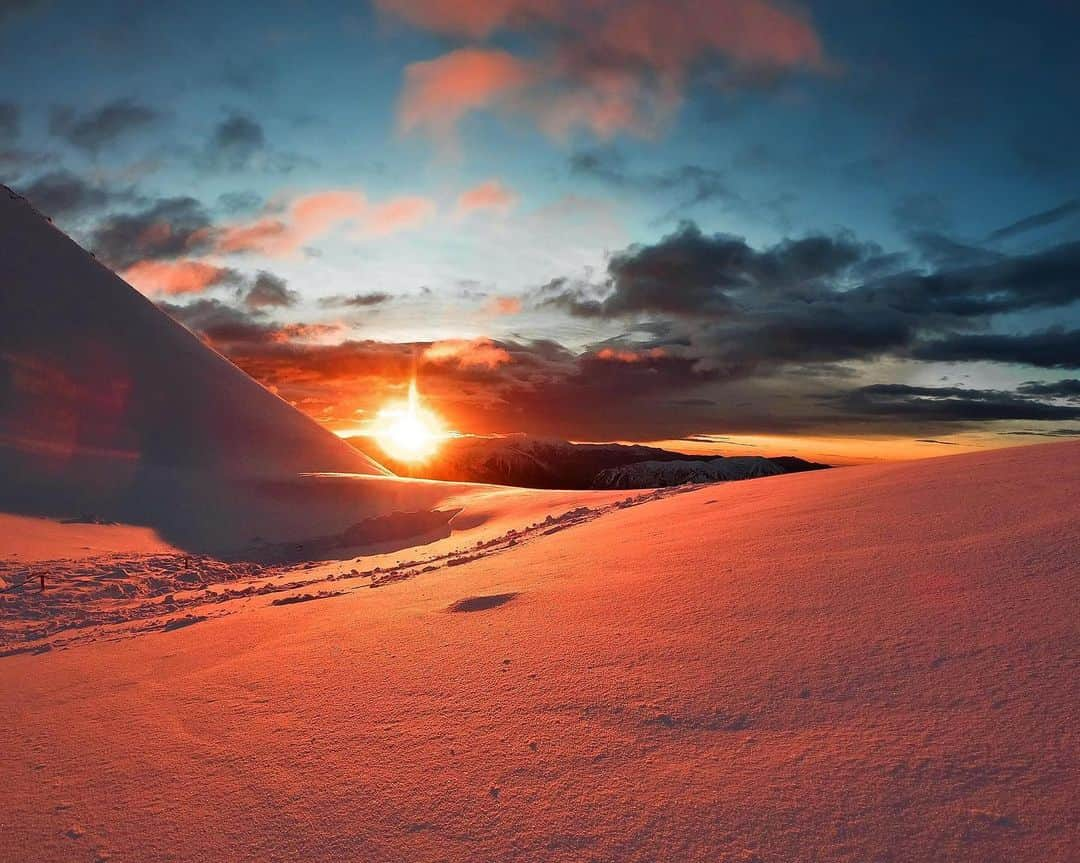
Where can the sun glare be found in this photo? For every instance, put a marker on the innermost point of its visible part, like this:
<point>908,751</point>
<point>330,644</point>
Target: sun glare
<point>407,431</point>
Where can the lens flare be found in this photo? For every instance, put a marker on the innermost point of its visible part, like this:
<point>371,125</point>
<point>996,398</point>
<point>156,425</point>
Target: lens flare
<point>407,431</point>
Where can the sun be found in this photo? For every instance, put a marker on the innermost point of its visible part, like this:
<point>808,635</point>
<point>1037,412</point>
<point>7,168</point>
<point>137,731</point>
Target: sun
<point>407,431</point>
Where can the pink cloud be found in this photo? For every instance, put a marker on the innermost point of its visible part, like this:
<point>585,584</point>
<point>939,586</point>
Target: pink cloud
<point>438,93</point>
<point>489,195</point>
<point>175,277</point>
<point>608,66</point>
<point>311,216</point>
<point>481,353</point>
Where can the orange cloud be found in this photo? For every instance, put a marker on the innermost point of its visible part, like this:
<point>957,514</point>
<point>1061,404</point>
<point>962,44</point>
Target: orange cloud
<point>176,277</point>
<point>482,353</point>
<point>627,356</point>
<point>438,93</point>
<point>504,306</point>
<point>489,195</point>
<point>311,216</point>
<point>609,66</point>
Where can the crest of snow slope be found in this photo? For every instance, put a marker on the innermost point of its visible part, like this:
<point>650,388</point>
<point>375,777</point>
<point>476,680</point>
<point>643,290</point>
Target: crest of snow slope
<point>874,663</point>
<point>658,474</point>
<point>95,377</point>
<point>110,408</point>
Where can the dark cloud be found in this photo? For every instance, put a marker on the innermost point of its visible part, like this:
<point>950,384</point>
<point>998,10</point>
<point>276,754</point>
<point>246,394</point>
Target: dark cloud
<point>235,142</point>
<point>692,274</point>
<point>803,301</point>
<point>220,322</point>
<point>168,228</point>
<point>92,130</point>
<point>1047,433</point>
<point>375,298</point>
<point>61,193</point>
<point>949,404</point>
<point>1036,221</point>
<point>270,291</point>
<point>237,331</point>
<point>1066,389</point>
<point>1049,349</point>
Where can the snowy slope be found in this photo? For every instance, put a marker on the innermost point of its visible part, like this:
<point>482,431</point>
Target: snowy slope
<point>868,664</point>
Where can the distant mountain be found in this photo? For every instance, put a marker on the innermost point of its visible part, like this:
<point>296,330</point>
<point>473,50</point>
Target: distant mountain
<point>520,460</point>
<point>658,474</point>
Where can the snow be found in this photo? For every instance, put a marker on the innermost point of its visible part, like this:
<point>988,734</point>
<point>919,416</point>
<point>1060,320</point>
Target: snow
<point>873,663</point>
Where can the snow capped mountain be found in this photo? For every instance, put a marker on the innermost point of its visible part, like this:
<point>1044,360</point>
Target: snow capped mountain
<point>658,474</point>
<point>520,460</point>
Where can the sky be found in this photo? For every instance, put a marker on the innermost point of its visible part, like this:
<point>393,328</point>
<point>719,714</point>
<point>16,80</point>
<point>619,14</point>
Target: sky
<point>834,228</point>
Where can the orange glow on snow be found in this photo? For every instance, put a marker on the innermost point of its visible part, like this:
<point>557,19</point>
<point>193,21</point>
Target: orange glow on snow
<point>408,431</point>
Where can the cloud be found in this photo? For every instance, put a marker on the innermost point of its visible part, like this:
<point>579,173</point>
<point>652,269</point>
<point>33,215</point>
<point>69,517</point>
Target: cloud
<point>630,356</point>
<point>166,229</point>
<point>233,329</point>
<point>952,404</point>
<point>805,301</point>
<point>270,291</point>
<point>235,142</point>
<point>311,216</point>
<point>374,298</point>
<point>694,184</point>
<point>609,66</point>
<point>61,193</point>
<point>306,218</point>
<point>92,130</point>
<point>467,353</point>
<point>1065,389</point>
<point>497,386</point>
<point>694,275</point>
<point>1036,221</point>
<point>1049,349</point>
<point>438,93</point>
<point>489,195</point>
<point>178,277</point>
<point>1065,432</point>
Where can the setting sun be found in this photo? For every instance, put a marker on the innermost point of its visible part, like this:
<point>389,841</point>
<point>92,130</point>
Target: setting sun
<point>408,431</point>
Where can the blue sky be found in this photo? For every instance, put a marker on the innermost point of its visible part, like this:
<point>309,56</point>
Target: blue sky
<point>918,132</point>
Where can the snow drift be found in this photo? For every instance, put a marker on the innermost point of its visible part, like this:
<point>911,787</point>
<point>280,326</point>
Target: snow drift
<point>874,663</point>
